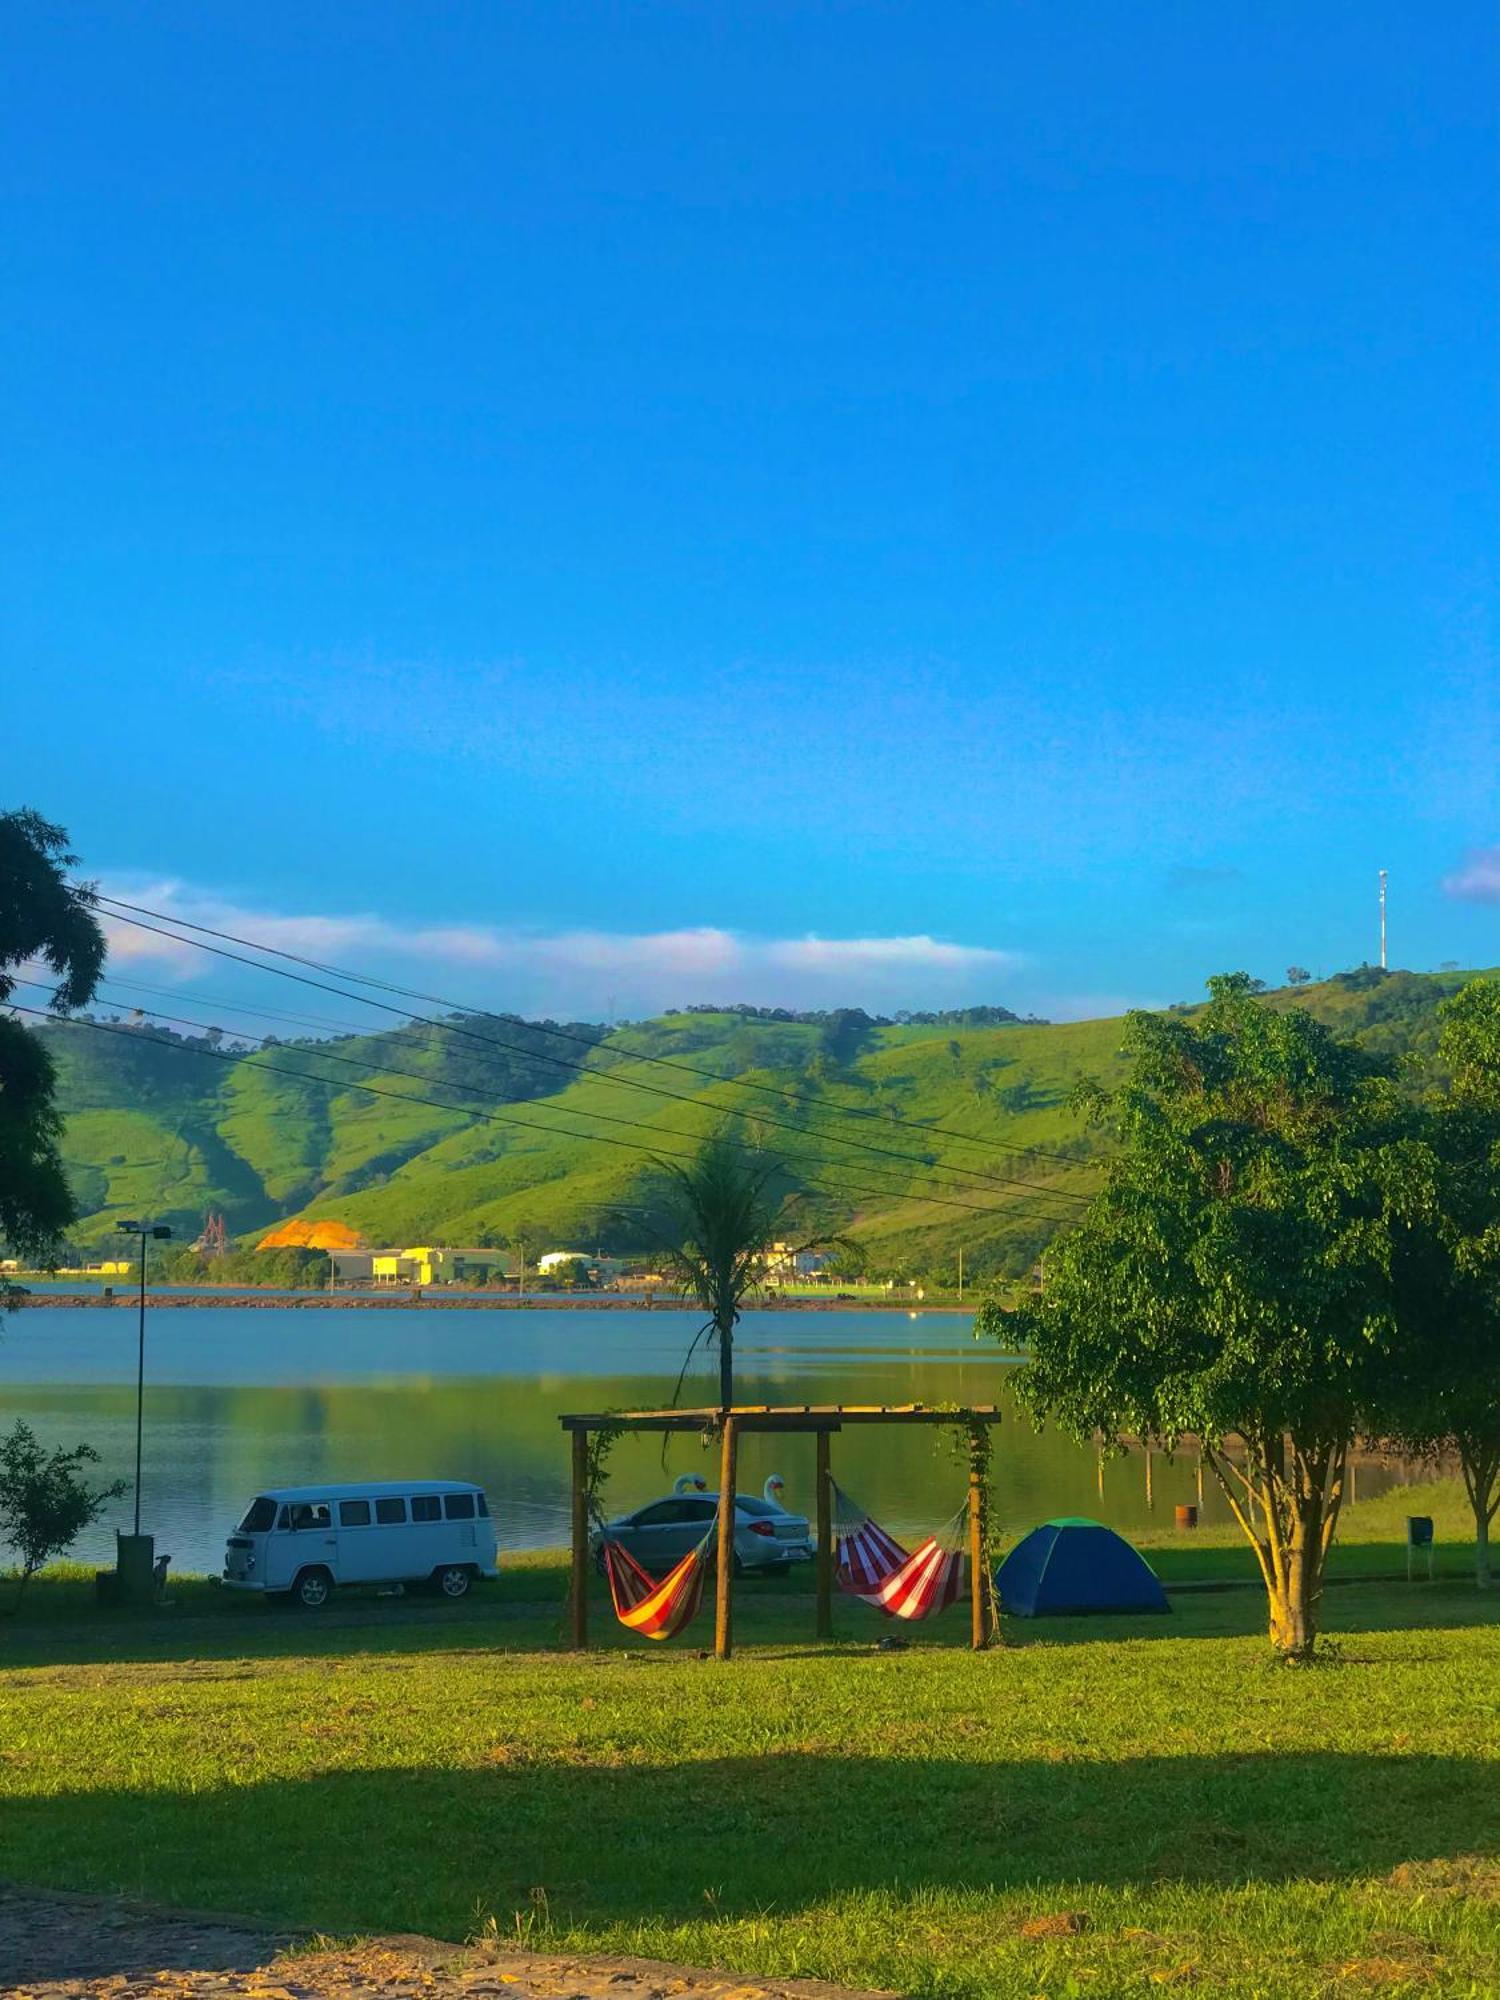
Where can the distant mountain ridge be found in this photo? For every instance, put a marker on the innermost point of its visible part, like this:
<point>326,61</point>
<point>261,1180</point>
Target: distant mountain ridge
<point>911,1137</point>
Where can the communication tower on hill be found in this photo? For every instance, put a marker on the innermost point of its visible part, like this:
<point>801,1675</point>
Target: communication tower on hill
<point>1382,920</point>
<point>214,1242</point>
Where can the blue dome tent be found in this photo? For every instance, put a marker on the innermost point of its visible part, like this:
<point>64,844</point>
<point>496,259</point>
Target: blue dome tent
<point>1075,1565</point>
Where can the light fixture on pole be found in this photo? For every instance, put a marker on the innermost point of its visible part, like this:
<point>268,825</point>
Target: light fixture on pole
<point>147,1232</point>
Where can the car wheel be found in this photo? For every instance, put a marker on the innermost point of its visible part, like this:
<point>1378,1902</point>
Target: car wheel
<point>312,1589</point>
<point>452,1582</point>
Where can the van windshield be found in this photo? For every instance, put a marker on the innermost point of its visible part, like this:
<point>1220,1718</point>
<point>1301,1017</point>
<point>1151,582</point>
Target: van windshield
<point>258,1520</point>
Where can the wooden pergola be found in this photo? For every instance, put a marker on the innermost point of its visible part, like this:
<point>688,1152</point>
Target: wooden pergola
<point>819,1420</point>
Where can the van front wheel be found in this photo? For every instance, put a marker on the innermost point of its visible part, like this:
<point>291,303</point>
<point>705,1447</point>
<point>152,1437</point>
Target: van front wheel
<point>452,1582</point>
<point>312,1589</point>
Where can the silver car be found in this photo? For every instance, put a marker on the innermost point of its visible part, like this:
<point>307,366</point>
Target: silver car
<point>661,1534</point>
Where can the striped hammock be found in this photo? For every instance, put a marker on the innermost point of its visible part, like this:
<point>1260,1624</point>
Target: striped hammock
<point>872,1565</point>
<point>657,1610</point>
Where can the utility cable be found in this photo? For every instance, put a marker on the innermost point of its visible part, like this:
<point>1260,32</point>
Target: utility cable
<point>565,1034</point>
<point>984,1181</point>
<point>500,1118</point>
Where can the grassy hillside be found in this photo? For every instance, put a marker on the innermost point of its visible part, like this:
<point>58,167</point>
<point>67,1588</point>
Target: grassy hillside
<point>157,1123</point>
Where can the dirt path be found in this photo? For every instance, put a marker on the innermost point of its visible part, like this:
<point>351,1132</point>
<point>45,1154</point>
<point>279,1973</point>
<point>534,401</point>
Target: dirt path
<point>58,1947</point>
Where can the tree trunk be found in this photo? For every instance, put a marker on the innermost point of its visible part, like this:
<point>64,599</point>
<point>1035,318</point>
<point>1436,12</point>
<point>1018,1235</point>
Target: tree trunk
<point>726,1363</point>
<point>1287,1502</point>
<point>1480,1463</point>
<point>1294,1606</point>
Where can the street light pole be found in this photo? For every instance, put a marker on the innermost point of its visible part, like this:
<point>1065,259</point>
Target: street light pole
<point>140,1383</point>
<point>146,1232</point>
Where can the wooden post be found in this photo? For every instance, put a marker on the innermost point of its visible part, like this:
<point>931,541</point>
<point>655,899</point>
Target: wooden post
<point>724,1598</point>
<point>979,1597</point>
<point>824,1557</point>
<point>579,1594</point>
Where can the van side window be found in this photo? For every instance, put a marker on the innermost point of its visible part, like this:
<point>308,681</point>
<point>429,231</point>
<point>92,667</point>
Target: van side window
<point>459,1506</point>
<point>387,1512</point>
<point>426,1507</point>
<point>484,1508</point>
<point>312,1514</point>
<point>354,1513</point>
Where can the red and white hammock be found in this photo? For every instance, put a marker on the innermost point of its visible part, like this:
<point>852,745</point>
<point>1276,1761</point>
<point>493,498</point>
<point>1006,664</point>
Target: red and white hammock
<point>872,1565</point>
<point>658,1609</point>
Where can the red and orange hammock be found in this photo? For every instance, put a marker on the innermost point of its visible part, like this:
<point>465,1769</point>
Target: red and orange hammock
<point>870,1565</point>
<point>658,1610</point>
<point>873,1566</point>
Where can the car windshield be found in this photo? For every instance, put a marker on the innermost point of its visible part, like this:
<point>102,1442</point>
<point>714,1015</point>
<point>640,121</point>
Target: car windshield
<point>754,1506</point>
<point>262,1513</point>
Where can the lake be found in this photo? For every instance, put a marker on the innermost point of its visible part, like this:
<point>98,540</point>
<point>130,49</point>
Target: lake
<point>239,1399</point>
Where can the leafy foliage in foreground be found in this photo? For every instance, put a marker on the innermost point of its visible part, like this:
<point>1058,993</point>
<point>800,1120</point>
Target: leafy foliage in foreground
<point>45,1500</point>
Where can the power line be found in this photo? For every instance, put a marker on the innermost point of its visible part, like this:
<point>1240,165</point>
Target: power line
<point>564,1034</point>
<point>994,1181</point>
<point>254,1060</point>
<point>1013,1206</point>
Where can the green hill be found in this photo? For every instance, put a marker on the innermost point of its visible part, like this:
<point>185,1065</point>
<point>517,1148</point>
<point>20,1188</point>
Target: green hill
<point>170,1126</point>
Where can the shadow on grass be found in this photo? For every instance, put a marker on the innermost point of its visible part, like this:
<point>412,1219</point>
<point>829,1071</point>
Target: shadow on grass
<point>594,1845</point>
<point>205,1625</point>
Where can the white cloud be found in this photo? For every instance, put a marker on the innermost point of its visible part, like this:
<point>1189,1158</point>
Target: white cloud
<point>1478,881</point>
<point>581,972</point>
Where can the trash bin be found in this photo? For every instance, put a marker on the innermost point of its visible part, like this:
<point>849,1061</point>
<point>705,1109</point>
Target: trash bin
<point>135,1568</point>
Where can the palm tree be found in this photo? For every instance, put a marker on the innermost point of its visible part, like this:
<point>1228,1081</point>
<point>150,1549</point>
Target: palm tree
<point>718,1216</point>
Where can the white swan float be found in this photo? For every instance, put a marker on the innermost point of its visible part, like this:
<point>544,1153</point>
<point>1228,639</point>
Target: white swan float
<point>689,1482</point>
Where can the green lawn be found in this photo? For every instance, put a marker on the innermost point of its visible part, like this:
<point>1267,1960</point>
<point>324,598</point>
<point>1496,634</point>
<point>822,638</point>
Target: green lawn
<point>1103,1806</point>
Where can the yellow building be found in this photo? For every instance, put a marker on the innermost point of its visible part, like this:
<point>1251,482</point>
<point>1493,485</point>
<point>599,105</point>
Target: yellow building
<point>432,1264</point>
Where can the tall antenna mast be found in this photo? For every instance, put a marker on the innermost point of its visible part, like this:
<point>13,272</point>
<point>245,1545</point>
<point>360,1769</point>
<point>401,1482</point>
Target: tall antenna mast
<point>1382,920</point>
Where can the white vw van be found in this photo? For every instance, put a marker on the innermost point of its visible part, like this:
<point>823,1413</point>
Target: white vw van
<point>303,1541</point>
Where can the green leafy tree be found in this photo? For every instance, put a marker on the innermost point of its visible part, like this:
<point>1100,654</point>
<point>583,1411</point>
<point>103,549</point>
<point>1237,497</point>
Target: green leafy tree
<point>525,1241</point>
<point>45,1504</point>
<point>1449,1403</point>
<point>716,1218</point>
<point>43,918</point>
<point>571,1273</point>
<point>1297,975</point>
<point>1233,1280</point>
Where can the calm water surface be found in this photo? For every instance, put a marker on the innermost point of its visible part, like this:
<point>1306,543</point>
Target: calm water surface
<point>240,1399</point>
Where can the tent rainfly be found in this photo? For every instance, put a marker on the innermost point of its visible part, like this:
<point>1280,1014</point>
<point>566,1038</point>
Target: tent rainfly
<point>1076,1565</point>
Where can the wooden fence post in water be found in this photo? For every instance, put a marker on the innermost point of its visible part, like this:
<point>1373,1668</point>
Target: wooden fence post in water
<point>579,1585</point>
<point>724,1596</point>
<point>824,1558</point>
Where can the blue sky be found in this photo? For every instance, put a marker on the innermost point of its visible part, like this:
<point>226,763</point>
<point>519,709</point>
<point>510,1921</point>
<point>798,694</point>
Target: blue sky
<point>618,505</point>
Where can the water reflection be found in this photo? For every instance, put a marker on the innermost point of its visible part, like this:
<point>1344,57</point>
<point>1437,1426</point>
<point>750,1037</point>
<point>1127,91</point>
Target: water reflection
<point>240,1399</point>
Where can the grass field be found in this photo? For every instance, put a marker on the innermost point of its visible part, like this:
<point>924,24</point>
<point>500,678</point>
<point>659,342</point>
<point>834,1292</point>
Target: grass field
<point>1100,1807</point>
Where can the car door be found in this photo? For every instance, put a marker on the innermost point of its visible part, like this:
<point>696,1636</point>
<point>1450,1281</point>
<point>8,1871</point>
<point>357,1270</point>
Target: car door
<point>312,1539</point>
<point>662,1534</point>
<point>358,1541</point>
